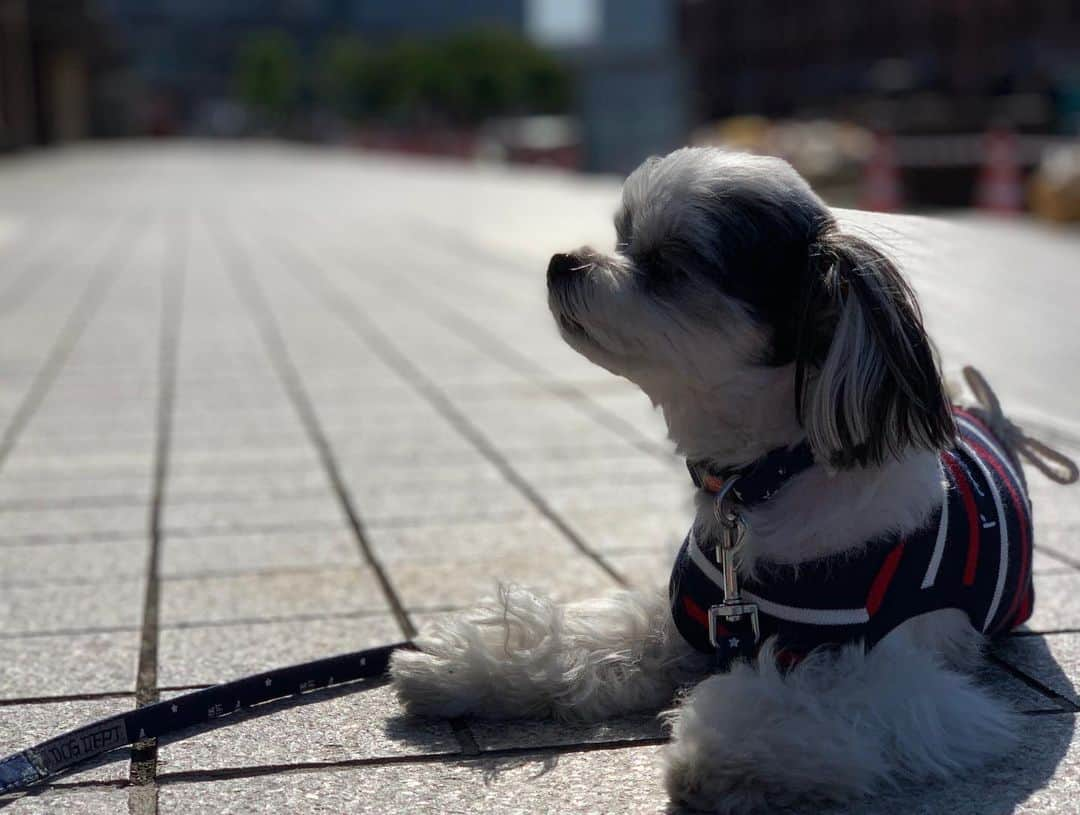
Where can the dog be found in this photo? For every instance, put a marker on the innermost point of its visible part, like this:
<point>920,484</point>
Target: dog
<point>857,540</point>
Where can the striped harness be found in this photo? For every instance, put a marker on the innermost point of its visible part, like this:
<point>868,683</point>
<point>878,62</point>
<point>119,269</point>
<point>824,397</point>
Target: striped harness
<point>973,554</point>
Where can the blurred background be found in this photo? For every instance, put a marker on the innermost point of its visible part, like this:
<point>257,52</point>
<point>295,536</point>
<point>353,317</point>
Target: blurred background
<point>919,105</point>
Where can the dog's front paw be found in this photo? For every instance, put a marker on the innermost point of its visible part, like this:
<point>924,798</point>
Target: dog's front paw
<point>500,661</point>
<point>697,782</point>
<point>754,741</point>
<point>427,685</point>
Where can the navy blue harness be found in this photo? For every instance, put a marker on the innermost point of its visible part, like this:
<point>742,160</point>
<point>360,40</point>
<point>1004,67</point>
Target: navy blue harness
<point>973,554</point>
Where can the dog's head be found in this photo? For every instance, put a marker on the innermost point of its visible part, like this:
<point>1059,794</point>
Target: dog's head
<point>734,301</point>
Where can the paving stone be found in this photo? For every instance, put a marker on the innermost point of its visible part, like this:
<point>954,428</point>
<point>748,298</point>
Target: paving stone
<point>23,726</point>
<point>205,655</point>
<point>474,537</point>
<point>421,503</point>
<point>1044,562</point>
<point>76,607</point>
<point>1052,504</point>
<point>236,516</point>
<point>254,485</point>
<point>343,724</point>
<point>88,466</point>
<point>1040,776</point>
<point>382,453</point>
<point>519,427</point>
<point>1021,696</point>
<point>634,407</point>
<point>97,562</point>
<point>197,439</point>
<point>244,597</point>
<point>253,460</point>
<point>454,566</point>
<point>67,664</point>
<point>462,581</point>
<point>212,555</point>
<point>667,496</point>
<point>643,530</point>
<point>78,801</point>
<point>565,450</point>
<point>430,473</point>
<point>1060,538</point>
<point>546,733</point>
<point>52,445</point>
<point>616,470</point>
<point>625,781</point>
<point>72,521</point>
<point>51,493</point>
<point>648,571</point>
<point>1057,602</point>
<point>1053,660</point>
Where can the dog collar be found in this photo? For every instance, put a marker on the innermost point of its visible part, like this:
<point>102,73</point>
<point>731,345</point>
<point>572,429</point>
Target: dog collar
<point>759,480</point>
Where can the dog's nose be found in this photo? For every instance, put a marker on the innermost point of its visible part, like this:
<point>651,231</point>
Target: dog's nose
<point>561,266</point>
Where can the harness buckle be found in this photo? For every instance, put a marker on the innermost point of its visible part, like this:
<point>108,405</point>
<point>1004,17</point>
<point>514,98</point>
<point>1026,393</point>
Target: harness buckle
<point>728,632</point>
<point>726,619</point>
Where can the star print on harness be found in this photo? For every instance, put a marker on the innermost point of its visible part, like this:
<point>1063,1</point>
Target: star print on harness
<point>973,554</point>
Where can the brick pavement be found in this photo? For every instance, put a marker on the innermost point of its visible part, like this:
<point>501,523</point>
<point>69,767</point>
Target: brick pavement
<point>260,405</point>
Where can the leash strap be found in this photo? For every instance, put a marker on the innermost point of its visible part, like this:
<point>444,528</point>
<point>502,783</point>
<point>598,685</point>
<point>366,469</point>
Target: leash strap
<point>1052,463</point>
<point>759,480</point>
<point>64,752</point>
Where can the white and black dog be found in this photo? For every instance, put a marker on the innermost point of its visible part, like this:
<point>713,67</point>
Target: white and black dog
<point>885,536</point>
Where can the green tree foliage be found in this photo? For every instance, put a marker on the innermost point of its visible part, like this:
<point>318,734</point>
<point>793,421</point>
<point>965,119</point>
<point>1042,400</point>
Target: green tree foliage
<point>464,78</point>
<point>268,73</point>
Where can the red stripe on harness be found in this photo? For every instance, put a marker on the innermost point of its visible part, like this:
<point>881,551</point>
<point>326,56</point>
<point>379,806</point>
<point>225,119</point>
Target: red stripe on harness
<point>972,516</point>
<point>883,579</point>
<point>699,615</point>
<point>696,612</point>
<point>1022,522</point>
<point>1023,614</point>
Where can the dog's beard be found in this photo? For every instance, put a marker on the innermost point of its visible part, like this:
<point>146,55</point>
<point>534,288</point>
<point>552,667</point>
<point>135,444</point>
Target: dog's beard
<point>570,305</point>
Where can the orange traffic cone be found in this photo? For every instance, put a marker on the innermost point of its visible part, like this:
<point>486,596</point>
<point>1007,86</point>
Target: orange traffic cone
<point>1000,188</point>
<point>881,189</point>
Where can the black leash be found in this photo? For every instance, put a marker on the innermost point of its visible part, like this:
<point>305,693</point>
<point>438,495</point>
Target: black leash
<point>62,753</point>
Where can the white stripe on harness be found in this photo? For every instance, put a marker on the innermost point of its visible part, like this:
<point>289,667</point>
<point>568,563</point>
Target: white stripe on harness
<point>939,545</point>
<point>810,616</point>
<point>1003,523</point>
<point>997,447</point>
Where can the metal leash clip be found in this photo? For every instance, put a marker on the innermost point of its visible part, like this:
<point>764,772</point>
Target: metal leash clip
<point>727,621</point>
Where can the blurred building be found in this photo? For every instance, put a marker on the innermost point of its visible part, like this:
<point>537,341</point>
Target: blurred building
<point>183,51</point>
<point>631,75</point>
<point>53,59</point>
<point>78,68</point>
<point>914,67</point>
<point>932,77</point>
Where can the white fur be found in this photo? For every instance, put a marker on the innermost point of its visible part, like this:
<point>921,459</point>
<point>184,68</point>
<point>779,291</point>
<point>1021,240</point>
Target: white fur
<point>754,739</point>
<point>824,512</point>
<point>522,655</point>
<point>837,726</point>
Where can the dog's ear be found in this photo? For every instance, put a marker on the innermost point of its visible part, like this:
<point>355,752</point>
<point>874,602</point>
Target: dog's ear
<point>867,382</point>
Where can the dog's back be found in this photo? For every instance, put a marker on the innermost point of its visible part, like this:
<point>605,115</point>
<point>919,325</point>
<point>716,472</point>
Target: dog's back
<point>989,546</point>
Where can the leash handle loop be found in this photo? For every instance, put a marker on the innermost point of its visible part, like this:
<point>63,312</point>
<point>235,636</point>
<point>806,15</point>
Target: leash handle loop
<point>1052,463</point>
